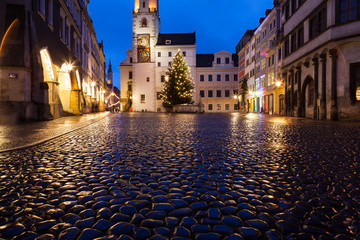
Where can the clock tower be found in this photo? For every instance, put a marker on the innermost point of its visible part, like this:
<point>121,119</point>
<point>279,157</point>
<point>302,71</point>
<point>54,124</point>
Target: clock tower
<point>146,29</point>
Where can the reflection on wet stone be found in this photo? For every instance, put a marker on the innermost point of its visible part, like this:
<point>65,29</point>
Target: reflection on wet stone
<point>148,176</point>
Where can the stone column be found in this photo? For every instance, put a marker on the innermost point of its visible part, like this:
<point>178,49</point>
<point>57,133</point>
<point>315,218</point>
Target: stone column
<point>284,75</point>
<point>334,113</point>
<point>316,79</point>
<point>298,110</point>
<point>323,87</point>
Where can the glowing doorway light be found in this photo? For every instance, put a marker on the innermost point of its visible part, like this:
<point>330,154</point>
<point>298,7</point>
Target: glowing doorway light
<point>47,64</point>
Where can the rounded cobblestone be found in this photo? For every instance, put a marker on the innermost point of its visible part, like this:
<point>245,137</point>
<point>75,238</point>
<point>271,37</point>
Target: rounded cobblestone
<point>158,176</point>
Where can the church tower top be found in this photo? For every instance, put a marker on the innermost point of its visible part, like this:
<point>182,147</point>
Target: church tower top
<point>146,6</point>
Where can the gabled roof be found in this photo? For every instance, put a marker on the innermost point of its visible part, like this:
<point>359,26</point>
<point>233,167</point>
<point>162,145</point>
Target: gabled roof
<point>204,60</point>
<point>176,39</point>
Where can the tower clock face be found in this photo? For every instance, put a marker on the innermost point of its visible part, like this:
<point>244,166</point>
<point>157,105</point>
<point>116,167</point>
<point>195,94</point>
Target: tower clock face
<point>144,41</point>
<point>144,56</point>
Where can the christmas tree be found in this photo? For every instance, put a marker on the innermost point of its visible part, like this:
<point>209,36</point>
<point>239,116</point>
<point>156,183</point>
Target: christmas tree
<point>178,85</point>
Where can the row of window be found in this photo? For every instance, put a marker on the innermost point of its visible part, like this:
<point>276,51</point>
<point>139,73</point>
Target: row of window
<point>170,54</point>
<point>219,106</point>
<point>290,7</point>
<point>354,88</point>
<point>202,77</point>
<point>218,93</point>
<point>317,25</point>
<point>218,78</point>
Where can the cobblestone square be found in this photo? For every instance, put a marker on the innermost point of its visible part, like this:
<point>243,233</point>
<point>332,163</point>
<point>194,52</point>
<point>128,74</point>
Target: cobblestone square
<point>167,176</point>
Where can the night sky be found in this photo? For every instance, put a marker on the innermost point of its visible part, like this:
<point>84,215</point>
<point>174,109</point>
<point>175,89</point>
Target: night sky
<point>219,24</point>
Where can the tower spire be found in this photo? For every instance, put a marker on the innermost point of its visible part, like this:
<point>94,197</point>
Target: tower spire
<point>110,66</point>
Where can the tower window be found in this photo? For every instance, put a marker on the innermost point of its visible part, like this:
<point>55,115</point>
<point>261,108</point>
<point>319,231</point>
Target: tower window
<point>144,5</point>
<point>144,22</point>
<point>148,79</point>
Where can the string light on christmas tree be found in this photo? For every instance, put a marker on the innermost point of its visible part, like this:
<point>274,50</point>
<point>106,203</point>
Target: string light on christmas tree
<point>178,85</point>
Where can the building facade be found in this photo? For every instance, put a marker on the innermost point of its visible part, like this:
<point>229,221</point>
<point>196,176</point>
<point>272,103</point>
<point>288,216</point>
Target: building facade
<point>266,91</point>
<point>43,68</point>
<point>243,51</point>
<point>321,58</point>
<point>217,81</point>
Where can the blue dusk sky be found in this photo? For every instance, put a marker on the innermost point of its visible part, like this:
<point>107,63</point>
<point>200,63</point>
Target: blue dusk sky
<point>219,24</point>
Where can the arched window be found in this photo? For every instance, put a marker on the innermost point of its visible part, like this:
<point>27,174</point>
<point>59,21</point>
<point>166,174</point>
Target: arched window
<point>144,22</point>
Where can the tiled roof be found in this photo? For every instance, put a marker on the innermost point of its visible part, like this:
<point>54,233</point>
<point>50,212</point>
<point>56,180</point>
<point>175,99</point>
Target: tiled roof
<point>177,39</point>
<point>204,60</point>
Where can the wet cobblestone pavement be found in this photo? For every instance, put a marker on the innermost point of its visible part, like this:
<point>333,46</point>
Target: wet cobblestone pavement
<point>149,176</point>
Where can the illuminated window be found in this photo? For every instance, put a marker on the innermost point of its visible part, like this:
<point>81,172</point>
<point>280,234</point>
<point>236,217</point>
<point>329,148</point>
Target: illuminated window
<point>142,98</point>
<point>218,107</point>
<point>355,82</point>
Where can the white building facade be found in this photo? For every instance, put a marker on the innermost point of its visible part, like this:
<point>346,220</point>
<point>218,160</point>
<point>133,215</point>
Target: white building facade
<point>217,82</point>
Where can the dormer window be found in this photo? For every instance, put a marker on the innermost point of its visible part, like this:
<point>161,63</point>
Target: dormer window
<point>168,42</point>
<point>144,22</point>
